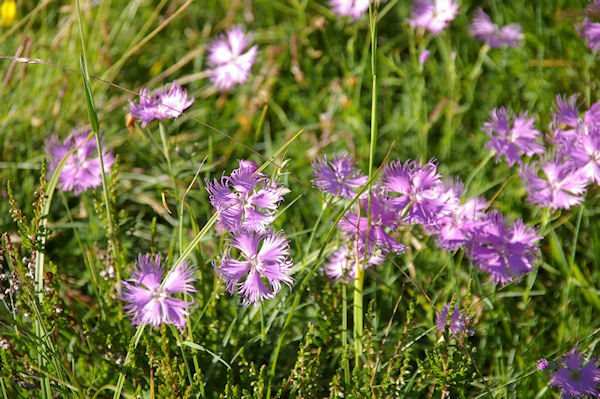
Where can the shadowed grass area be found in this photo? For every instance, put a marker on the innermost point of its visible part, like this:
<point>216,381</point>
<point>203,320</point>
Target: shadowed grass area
<point>64,332</point>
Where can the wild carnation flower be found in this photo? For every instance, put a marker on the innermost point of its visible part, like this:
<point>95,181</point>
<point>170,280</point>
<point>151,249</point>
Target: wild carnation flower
<point>245,199</point>
<point>589,30</point>
<point>486,31</point>
<point>149,299</point>
<point>382,216</point>
<point>266,260</point>
<point>566,110</point>
<point>561,187</point>
<point>165,103</point>
<point>503,251</point>
<point>82,169</point>
<point>584,156</point>
<point>512,135</point>
<point>433,15</point>
<point>454,227</point>
<point>417,185</point>
<point>338,176</point>
<point>349,8</point>
<point>343,262</point>
<point>459,322</point>
<point>230,64</point>
<point>574,378</point>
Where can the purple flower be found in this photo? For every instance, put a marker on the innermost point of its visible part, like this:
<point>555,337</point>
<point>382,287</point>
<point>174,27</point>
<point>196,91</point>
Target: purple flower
<point>148,296</point>
<point>382,216</point>
<point>338,176</point>
<point>542,364</point>
<point>574,378</point>
<point>590,31</point>
<point>561,187</point>
<point>504,252</point>
<point>486,31</point>
<point>417,185</point>
<point>424,56</point>
<point>82,169</point>
<point>245,199</point>
<point>263,269</point>
<point>433,15</point>
<point>459,322</point>
<point>512,141</point>
<point>566,110</point>
<point>349,8</point>
<point>344,262</point>
<point>456,226</point>
<point>229,64</point>
<point>584,156</point>
<point>165,103</point>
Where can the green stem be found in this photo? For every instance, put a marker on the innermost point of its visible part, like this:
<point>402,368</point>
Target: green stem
<point>166,151</point>
<point>111,229</point>
<point>263,334</point>
<point>345,361</point>
<point>360,272</point>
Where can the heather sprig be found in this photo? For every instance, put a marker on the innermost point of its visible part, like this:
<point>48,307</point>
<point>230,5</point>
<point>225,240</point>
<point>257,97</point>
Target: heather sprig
<point>459,323</point>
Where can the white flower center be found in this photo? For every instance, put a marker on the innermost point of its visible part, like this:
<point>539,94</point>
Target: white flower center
<point>158,294</point>
<point>256,264</point>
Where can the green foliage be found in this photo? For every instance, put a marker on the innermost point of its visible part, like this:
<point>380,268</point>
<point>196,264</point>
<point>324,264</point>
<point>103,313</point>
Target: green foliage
<point>312,74</point>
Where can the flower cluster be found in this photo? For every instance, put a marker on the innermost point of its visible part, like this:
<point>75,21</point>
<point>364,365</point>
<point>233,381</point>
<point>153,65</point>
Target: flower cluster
<point>486,31</point>
<point>230,59</point>
<point>458,322</point>
<point>559,177</point>
<point>574,374</point>
<point>148,297</point>
<point>246,202</point>
<point>414,193</point>
<point>82,169</point>
<point>164,103</point>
